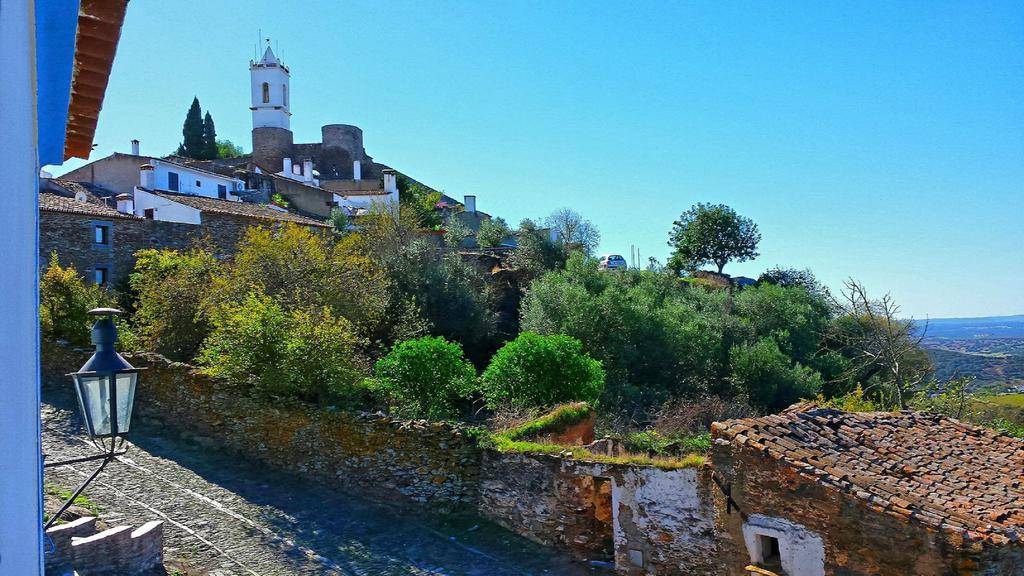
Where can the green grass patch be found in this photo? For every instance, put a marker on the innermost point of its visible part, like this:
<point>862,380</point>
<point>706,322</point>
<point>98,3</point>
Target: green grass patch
<point>505,445</point>
<point>1015,400</point>
<point>560,418</point>
<point>515,440</point>
<point>81,501</point>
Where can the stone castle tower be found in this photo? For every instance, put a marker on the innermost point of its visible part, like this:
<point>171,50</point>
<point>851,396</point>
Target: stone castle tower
<point>340,154</point>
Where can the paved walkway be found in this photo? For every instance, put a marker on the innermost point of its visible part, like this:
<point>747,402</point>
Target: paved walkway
<point>224,516</point>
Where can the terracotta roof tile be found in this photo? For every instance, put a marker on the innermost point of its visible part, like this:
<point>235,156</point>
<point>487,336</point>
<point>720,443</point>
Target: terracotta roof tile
<point>50,201</point>
<point>243,209</point>
<point>918,466</point>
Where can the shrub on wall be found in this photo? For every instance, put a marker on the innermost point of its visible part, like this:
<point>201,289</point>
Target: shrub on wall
<point>64,304</point>
<point>308,355</point>
<point>426,377</point>
<point>542,371</point>
<point>170,288</point>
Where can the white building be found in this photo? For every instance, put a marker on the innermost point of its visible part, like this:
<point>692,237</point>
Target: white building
<point>270,84</point>
<point>175,177</point>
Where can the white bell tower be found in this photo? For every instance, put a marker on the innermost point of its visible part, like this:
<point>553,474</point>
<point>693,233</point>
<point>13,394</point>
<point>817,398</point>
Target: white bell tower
<point>270,98</point>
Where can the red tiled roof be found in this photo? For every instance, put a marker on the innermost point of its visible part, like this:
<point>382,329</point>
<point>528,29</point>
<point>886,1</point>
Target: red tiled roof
<point>244,209</point>
<point>53,202</point>
<point>922,467</point>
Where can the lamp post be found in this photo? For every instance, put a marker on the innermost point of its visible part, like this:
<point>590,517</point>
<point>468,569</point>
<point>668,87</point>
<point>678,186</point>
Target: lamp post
<point>105,386</point>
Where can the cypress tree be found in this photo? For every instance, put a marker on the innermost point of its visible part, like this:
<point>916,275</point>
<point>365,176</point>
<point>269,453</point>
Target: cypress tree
<point>209,138</point>
<point>192,131</point>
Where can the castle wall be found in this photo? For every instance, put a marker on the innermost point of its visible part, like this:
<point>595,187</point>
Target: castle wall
<point>270,146</point>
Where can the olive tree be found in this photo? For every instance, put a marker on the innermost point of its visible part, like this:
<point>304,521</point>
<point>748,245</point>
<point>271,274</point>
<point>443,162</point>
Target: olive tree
<point>712,233</point>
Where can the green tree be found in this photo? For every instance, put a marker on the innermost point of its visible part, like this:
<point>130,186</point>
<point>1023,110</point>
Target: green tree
<point>420,202</point>
<point>542,371</point>
<point>171,288</point>
<point>193,145</point>
<point>712,233</point>
<point>209,138</point>
<point>228,149</point>
<point>447,292</point>
<point>307,355</point>
<point>426,377</point>
<point>492,232</point>
<point>64,304</point>
<point>768,377</point>
<point>535,252</point>
<point>340,222</point>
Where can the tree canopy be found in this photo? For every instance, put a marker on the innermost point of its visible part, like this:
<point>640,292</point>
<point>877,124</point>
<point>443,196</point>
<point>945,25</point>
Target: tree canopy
<point>193,145</point>
<point>199,137</point>
<point>712,234</point>
<point>575,231</point>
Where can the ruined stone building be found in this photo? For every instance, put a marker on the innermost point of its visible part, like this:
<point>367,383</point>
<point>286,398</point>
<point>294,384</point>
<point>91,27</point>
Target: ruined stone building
<point>817,491</point>
<point>810,492</point>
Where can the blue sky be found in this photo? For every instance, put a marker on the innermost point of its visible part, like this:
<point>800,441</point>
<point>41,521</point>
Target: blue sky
<point>882,141</point>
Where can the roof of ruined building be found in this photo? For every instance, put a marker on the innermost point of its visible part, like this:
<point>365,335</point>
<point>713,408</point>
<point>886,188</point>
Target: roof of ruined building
<point>54,201</point>
<point>243,209</point>
<point>919,466</point>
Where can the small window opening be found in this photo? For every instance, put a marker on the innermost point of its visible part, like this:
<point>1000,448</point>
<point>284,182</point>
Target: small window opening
<point>222,191</point>
<point>101,276</point>
<point>266,92</point>
<point>149,213</point>
<point>199,184</point>
<point>284,93</point>
<point>102,235</point>
<point>771,556</point>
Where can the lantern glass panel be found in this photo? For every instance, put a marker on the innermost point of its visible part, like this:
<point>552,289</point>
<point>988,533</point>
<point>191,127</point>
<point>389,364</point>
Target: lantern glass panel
<point>125,399</point>
<point>94,399</point>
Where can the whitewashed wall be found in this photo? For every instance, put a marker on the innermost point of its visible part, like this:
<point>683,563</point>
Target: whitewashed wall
<point>187,181</point>
<point>164,209</point>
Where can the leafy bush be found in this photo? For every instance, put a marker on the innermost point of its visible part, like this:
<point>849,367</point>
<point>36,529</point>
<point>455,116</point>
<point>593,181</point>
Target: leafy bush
<point>657,443</point>
<point>170,289</point>
<point>535,370</point>
<point>426,377</point>
<point>278,354</point>
<point>447,295</point>
<point>767,377</point>
<point>64,304</point>
<point>492,232</point>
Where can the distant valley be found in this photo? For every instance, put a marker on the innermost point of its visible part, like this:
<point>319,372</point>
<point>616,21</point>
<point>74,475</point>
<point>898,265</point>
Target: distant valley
<point>989,349</point>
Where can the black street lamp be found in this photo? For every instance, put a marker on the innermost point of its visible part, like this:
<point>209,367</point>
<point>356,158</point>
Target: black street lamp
<point>105,386</point>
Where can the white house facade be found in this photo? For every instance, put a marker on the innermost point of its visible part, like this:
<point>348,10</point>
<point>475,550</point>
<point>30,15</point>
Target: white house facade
<point>180,178</point>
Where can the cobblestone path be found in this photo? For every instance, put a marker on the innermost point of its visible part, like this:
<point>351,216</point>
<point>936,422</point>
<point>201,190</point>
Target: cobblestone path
<point>224,516</point>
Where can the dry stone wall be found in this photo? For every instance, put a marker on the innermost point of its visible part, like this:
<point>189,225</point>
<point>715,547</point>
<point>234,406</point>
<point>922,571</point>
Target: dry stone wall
<point>424,462</point>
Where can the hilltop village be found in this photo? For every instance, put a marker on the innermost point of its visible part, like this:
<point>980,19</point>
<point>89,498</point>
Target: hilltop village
<point>98,215</point>
<point>318,347</point>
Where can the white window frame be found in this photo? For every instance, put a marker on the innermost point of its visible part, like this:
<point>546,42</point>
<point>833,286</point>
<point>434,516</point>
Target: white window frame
<point>801,551</point>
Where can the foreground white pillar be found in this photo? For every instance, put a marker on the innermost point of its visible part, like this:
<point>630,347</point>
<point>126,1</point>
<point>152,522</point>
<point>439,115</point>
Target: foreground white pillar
<point>21,517</point>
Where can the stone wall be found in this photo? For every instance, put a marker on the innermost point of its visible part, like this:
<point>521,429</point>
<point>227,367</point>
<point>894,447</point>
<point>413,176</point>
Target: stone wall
<point>854,540</point>
<point>646,520</point>
<point>424,462</point>
<point>72,236</point>
<point>120,550</point>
